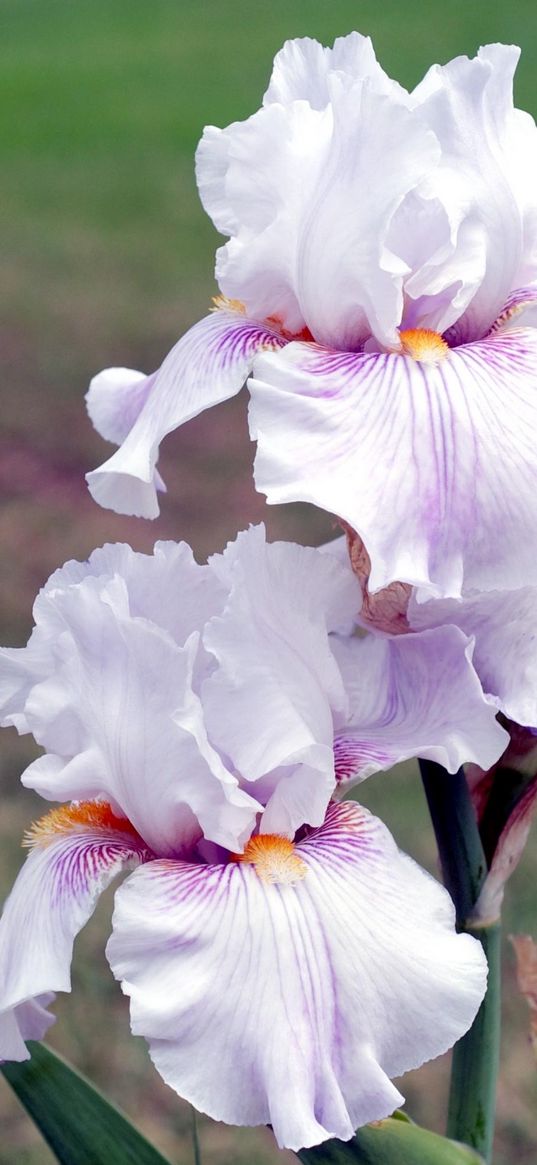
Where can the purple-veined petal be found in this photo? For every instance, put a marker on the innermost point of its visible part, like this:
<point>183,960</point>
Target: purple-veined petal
<point>519,311</point>
<point>413,695</point>
<point>434,465</point>
<point>118,713</point>
<point>208,365</point>
<point>503,624</point>
<point>77,853</point>
<point>276,674</point>
<point>294,1004</point>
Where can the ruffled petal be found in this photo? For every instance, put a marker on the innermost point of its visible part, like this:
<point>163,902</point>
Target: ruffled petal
<point>469,106</point>
<point>167,587</point>
<point>119,716</point>
<point>208,365</point>
<point>414,695</point>
<point>505,655</point>
<point>294,1004</point>
<point>303,70</point>
<point>349,280</point>
<point>276,674</point>
<point>434,465</point>
<point>308,239</point>
<point>253,180</point>
<point>53,897</point>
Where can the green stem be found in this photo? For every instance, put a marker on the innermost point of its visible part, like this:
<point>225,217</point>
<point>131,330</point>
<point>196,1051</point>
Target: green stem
<point>474,1072</point>
<point>463,862</point>
<point>195,1137</point>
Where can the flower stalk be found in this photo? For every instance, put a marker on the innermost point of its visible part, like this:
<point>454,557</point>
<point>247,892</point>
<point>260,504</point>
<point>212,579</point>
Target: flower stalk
<point>472,1101</point>
<point>474,1072</point>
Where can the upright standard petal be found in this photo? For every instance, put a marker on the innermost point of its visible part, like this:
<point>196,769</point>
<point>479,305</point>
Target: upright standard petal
<point>433,464</point>
<point>308,239</point>
<point>291,996</point>
<point>120,719</point>
<point>304,70</point>
<point>208,365</point>
<point>77,851</point>
<point>281,672</point>
<point>469,106</point>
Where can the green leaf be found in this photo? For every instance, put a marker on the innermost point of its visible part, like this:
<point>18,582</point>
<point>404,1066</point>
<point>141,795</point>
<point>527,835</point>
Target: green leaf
<point>394,1141</point>
<point>81,1127</point>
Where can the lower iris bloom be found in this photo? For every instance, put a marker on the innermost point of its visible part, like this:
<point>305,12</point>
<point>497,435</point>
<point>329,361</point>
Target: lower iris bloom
<point>283,959</point>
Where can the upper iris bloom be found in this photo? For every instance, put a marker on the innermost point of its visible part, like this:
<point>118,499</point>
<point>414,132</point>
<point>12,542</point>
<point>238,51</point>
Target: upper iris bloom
<point>283,959</point>
<point>378,280</point>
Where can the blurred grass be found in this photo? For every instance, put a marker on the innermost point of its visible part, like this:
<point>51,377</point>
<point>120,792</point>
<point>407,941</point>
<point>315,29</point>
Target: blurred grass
<point>106,258</point>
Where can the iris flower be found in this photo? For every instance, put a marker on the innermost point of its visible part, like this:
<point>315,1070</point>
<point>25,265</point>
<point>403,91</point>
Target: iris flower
<point>283,959</point>
<point>378,287</point>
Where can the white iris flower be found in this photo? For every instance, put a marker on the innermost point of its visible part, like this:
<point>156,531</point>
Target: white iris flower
<point>379,289</point>
<point>283,959</point>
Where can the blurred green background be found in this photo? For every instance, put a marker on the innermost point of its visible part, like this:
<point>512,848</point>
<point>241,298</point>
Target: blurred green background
<point>106,258</point>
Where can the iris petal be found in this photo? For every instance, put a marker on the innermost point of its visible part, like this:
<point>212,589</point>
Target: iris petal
<point>294,1004</point>
<point>435,466</point>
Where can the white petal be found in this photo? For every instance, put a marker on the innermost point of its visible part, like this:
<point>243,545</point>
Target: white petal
<point>254,178</point>
<point>209,364</point>
<point>53,897</point>
<point>503,624</point>
<point>295,1004</point>
<point>435,466</point>
<point>303,69</point>
<point>28,1021</point>
<point>469,105</point>
<point>168,587</point>
<point>114,400</point>
<point>350,284</point>
<point>308,236</point>
<point>271,703</point>
<point>413,695</point>
<point>118,713</point>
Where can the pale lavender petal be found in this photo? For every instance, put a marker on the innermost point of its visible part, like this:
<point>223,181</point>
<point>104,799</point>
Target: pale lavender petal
<point>114,400</point>
<point>208,365</point>
<point>28,1021</point>
<point>277,675</point>
<point>119,717</point>
<point>414,695</point>
<point>294,1004</point>
<point>434,465</point>
<point>469,106</point>
<point>503,624</point>
<point>520,311</point>
<point>53,897</point>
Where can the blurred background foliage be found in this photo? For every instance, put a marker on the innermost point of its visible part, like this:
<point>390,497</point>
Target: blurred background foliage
<point>107,258</point>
